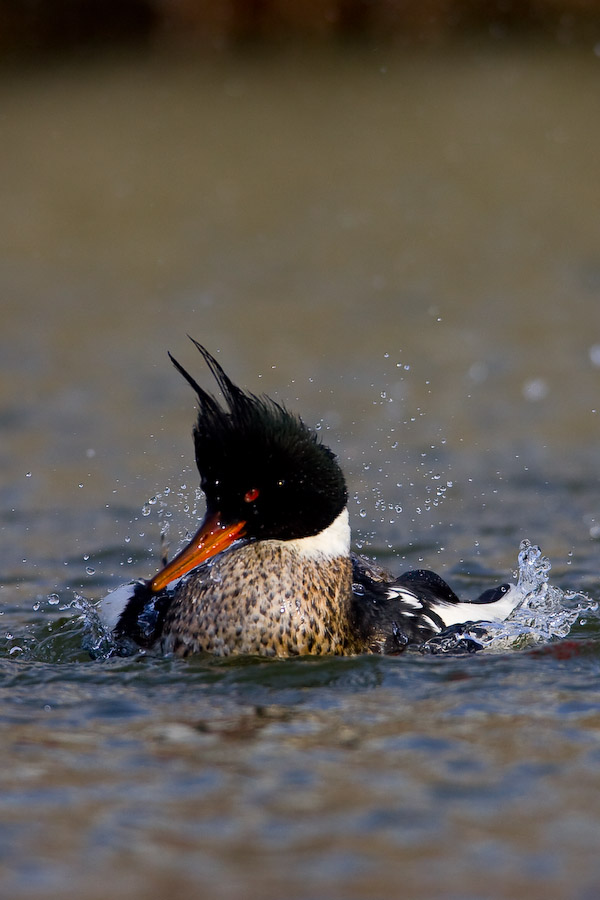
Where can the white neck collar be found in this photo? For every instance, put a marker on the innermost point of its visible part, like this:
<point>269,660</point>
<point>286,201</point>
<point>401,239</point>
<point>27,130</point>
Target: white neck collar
<point>331,543</point>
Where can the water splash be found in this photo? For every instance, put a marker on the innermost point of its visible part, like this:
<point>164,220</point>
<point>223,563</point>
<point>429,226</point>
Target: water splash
<point>543,613</point>
<point>546,611</point>
<point>64,630</point>
<point>97,638</point>
<point>173,507</point>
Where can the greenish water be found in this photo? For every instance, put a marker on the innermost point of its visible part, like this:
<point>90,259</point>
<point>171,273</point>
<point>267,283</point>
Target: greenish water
<point>405,251</point>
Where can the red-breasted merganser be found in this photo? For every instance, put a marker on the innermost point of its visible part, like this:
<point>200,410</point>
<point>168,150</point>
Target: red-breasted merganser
<point>270,572</point>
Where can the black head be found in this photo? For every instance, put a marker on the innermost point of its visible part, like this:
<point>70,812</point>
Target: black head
<point>260,464</point>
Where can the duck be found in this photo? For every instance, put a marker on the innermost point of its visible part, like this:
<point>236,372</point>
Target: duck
<point>270,571</point>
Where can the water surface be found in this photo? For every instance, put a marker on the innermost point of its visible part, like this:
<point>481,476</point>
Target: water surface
<point>404,249</point>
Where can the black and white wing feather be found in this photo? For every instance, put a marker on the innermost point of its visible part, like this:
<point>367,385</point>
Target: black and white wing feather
<point>392,613</point>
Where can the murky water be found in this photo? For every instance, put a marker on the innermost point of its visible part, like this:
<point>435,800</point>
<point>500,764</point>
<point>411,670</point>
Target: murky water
<point>406,251</point>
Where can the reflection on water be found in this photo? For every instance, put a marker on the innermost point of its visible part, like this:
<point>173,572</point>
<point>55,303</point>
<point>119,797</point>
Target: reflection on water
<point>405,250</point>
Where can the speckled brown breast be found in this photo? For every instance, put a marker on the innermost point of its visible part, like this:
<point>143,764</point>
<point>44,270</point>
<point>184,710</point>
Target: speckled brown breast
<point>263,599</point>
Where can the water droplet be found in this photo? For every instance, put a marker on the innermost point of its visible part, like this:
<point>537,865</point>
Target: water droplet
<point>362,513</point>
<point>53,599</point>
<point>28,475</point>
<point>146,511</point>
<point>595,355</point>
<point>90,570</point>
<point>535,389</point>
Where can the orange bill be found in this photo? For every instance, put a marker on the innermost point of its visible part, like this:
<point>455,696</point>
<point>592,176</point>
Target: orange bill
<point>210,539</point>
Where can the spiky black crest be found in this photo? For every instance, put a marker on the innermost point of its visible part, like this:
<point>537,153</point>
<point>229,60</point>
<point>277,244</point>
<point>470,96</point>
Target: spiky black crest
<point>254,446</point>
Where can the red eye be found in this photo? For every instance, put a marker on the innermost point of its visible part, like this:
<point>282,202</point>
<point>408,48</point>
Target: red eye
<point>251,495</point>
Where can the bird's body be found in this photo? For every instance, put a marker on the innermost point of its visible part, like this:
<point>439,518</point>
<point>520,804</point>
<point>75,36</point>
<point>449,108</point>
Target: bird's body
<point>270,571</point>
<point>272,601</point>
